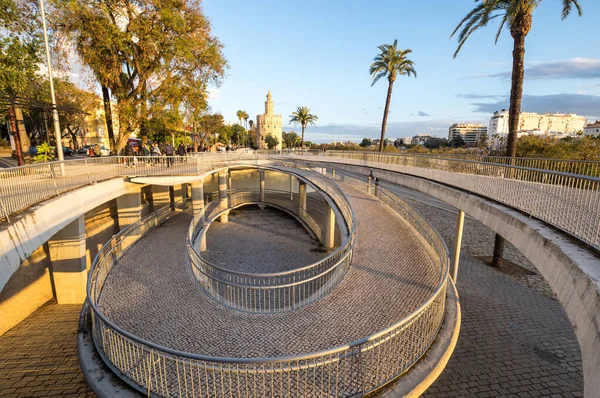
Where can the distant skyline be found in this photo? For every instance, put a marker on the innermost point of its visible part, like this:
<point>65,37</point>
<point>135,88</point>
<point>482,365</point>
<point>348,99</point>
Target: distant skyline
<point>318,56</point>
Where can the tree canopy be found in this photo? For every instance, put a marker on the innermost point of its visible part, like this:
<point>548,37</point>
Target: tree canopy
<point>156,56</point>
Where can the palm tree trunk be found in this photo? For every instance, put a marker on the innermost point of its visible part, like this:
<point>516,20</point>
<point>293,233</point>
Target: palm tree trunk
<point>516,94</point>
<point>302,143</point>
<point>385,115</point>
<point>514,113</point>
<point>108,118</point>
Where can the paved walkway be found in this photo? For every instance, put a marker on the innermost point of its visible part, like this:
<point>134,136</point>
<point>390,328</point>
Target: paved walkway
<point>513,342</point>
<point>38,357</point>
<point>258,241</point>
<point>150,293</point>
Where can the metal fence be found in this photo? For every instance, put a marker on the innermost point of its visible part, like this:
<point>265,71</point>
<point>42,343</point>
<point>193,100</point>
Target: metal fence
<point>24,186</point>
<point>570,202</point>
<point>280,291</point>
<point>355,369</point>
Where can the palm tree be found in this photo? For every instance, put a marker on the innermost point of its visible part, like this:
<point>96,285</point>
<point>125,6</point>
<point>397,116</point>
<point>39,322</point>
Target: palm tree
<point>391,62</point>
<point>246,117</point>
<point>303,116</point>
<point>240,116</point>
<point>517,16</point>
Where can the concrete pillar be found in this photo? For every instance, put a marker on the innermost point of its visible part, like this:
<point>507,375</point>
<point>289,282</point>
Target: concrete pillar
<point>459,231</point>
<point>223,202</point>
<point>369,181</point>
<point>301,198</point>
<point>329,230</point>
<point>376,188</point>
<point>160,196</point>
<point>262,185</point>
<point>67,256</point>
<point>203,243</point>
<point>292,187</point>
<point>198,199</point>
<point>129,206</point>
<point>172,197</point>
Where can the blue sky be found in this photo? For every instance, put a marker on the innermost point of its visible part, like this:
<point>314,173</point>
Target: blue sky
<point>317,54</point>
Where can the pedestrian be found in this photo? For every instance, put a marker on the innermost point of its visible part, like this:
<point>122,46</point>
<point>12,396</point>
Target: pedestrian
<point>155,151</point>
<point>181,151</point>
<point>168,150</point>
<point>128,154</point>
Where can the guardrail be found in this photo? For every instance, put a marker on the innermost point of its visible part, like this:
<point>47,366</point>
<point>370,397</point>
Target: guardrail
<point>569,202</point>
<point>355,369</point>
<point>279,291</point>
<point>24,186</point>
<point>589,168</point>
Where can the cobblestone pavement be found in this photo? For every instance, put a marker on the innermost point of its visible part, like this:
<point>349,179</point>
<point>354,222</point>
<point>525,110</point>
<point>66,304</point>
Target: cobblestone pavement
<point>152,294</point>
<point>478,241</point>
<point>38,357</point>
<point>513,342</point>
<point>234,245</point>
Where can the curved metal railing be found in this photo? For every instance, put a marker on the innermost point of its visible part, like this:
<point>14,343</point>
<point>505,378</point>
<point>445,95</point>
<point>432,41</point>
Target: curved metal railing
<point>355,369</point>
<point>278,291</point>
<point>569,202</point>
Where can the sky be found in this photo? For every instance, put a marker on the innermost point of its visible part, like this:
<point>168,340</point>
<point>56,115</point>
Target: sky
<point>317,53</point>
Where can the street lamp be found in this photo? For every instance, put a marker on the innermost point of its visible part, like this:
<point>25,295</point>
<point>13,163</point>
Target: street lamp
<point>59,148</point>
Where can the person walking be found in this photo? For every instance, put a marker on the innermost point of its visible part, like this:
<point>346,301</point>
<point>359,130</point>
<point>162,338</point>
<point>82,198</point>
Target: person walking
<point>155,151</point>
<point>168,150</point>
<point>181,151</point>
<point>128,154</point>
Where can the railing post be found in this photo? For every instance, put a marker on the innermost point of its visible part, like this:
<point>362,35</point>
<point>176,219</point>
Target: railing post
<point>88,171</point>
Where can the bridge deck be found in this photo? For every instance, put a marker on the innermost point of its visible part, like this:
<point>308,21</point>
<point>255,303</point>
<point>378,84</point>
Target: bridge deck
<point>152,294</point>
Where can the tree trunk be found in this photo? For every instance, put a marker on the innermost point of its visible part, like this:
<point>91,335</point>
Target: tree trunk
<point>519,30</point>
<point>108,117</point>
<point>498,251</point>
<point>302,142</point>
<point>516,94</point>
<point>195,141</point>
<point>385,115</point>
<point>15,132</point>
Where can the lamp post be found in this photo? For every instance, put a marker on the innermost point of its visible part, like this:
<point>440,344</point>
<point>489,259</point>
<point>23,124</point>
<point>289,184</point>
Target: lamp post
<point>59,148</point>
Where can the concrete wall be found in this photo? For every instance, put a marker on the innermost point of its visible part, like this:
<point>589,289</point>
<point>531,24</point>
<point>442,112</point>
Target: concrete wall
<point>27,289</point>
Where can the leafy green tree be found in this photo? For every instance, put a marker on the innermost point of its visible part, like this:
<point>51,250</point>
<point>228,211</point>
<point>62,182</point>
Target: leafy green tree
<point>303,117</point>
<point>79,105</point>
<point>366,142</point>
<point>271,141</point>
<point>457,142</point>
<point>290,140</point>
<point>517,16</point>
<point>155,56</point>
<point>391,62</point>
<point>210,125</point>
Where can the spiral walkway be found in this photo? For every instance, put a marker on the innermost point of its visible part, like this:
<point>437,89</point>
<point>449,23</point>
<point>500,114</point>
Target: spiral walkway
<point>151,293</point>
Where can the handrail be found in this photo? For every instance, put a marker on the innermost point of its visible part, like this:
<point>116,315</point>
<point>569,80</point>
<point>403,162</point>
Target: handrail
<point>275,291</point>
<point>158,370</point>
<point>567,201</point>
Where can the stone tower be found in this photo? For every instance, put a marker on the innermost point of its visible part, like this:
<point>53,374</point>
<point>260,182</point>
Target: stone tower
<point>268,123</point>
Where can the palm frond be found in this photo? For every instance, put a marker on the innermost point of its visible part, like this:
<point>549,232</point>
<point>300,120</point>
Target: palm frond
<point>568,6</point>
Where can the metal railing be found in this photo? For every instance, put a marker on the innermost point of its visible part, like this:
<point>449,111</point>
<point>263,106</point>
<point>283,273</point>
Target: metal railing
<point>279,291</point>
<point>355,369</point>
<point>24,186</point>
<point>570,202</point>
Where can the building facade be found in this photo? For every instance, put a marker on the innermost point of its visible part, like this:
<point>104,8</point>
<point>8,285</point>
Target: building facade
<point>535,123</point>
<point>470,132</point>
<point>268,123</point>
<point>420,139</point>
<point>592,128</point>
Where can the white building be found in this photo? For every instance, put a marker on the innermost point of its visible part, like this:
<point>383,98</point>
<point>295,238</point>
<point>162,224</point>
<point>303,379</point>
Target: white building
<point>535,123</point>
<point>592,128</point>
<point>470,132</point>
<point>268,123</point>
<point>420,139</point>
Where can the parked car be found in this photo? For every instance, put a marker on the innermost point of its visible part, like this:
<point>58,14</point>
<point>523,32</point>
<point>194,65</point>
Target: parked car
<point>83,150</point>
<point>66,151</point>
<point>104,151</point>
